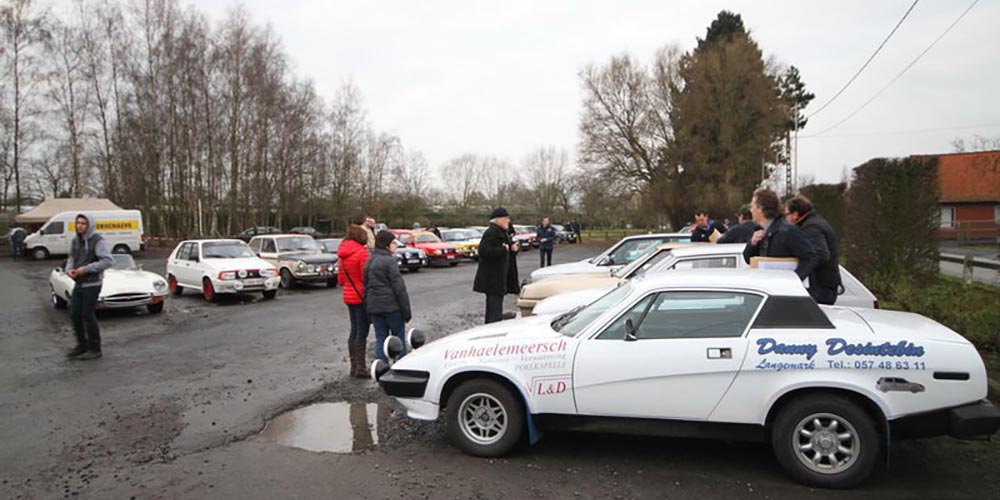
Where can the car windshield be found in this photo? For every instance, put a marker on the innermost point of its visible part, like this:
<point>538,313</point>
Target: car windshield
<point>640,266</point>
<point>523,229</point>
<point>331,246</point>
<point>479,231</point>
<point>452,236</point>
<point>123,262</point>
<point>225,250</point>
<point>427,238</point>
<point>629,251</point>
<point>574,321</point>
<point>297,244</point>
<point>558,227</point>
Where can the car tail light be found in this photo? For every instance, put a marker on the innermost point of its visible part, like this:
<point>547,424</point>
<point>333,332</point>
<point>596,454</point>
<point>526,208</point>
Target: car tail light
<point>143,238</point>
<point>227,275</point>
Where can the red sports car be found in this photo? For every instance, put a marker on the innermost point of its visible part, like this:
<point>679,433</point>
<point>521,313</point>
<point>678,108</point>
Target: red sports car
<point>438,252</point>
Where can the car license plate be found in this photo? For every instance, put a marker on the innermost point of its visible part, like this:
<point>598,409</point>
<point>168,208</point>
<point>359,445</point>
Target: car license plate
<point>450,256</point>
<point>253,282</point>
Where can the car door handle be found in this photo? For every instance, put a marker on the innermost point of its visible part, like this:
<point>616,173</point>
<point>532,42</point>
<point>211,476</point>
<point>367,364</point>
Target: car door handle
<point>719,353</point>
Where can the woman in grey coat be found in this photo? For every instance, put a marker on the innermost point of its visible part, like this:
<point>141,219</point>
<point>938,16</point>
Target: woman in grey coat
<point>386,299</point>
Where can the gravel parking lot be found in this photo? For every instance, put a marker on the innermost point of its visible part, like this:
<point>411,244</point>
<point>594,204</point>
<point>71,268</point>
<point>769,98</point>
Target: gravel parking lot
<point>176,406</point>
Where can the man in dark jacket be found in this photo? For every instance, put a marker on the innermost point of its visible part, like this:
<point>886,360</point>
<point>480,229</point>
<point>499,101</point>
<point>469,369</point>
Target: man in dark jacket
<point>495,275</point>
<point>386,299</point>
<point>743,230</point>
<point>546,235</point>
<point>824,282</point>
<point>704,227</point>
<point>777,238</point>
<point>16,236</point>
<point>89,256</point>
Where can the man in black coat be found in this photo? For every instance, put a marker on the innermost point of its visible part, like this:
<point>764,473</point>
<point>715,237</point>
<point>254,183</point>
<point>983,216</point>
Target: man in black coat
<point>743,230</point>
<point>777,238</point>
<point>824,282</point>
<point>705,227</point>
<point>496,275</point>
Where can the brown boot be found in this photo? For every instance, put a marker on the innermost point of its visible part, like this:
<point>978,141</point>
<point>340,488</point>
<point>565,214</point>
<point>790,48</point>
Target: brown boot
<point>352,351</point>
<point>362,363</point>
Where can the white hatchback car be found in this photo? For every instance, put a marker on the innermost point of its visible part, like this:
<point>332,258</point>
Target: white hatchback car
<point>742,354</point>
<point>126,285</point>
<point>220,266</point>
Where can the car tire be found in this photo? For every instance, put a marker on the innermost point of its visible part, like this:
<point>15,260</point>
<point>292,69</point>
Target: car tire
<point>175,288</point>
<point>453,264</point>
<point>155,308</point>
<point>414,269</point>
<point>269,294</point>
<point>40,253</point>
<point>58,302</point>
<point>287,281</point>
<point>811,425</point>
<point>331,283</point>
<point>121,249</point>
<point>465,429</point>
<point>208,290</point>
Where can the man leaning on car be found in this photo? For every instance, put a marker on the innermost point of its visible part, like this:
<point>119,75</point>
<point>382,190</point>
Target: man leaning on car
<point>824,281</point>
<point>777,238</point>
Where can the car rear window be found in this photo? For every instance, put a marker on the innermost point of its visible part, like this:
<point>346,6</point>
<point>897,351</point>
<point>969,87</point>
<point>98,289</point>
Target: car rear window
<point>791,312</point>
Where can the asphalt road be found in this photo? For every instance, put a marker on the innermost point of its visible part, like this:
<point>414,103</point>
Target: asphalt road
<point>175,408</point>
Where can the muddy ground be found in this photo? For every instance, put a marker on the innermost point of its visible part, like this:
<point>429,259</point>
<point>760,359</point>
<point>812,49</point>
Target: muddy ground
<point>176,406</point>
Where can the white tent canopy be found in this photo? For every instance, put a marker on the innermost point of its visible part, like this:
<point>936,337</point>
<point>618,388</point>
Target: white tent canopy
<point>50,207</point>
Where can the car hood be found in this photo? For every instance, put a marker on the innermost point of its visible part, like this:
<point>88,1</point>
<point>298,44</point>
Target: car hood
<point>568,283</point>
<point>407,251</point>
<point>129,281</point>
<point>237,264</point>
<point>558,304</point>
<point>308,257</point>
<point>581,267</point>
<point>434,246</point>
<point>514,329</point>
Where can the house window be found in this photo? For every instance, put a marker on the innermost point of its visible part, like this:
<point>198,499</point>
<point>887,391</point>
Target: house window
<point>996,214</point>
<point>947,216</point>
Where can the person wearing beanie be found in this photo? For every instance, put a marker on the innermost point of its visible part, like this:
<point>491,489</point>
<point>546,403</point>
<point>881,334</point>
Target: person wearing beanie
<point>386,299</point>
<point>496,276</point>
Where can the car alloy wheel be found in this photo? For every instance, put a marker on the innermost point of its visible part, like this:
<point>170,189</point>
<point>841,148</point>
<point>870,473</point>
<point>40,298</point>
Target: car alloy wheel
<point>174,287</point>
<point>208,290</point>
<point>826,443</point>
<point>40,253</point>
<point>483,419</point>
<point>286,279</point>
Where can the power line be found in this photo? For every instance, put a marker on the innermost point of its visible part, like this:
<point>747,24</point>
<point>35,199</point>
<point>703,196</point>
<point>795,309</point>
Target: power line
<point>865,65</point>
<point>901,73</point>
<point>902,132</point>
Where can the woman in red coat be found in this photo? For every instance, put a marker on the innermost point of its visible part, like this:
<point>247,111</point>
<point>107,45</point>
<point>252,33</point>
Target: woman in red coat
<point>353,253</point>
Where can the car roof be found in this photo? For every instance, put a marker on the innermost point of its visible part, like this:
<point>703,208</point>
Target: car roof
<point>769,281</point>
<point>214,240</point>
<point>700,249</point>
<point>656,235</point>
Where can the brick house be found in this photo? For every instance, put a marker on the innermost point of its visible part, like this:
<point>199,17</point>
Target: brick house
<point>970,195</point>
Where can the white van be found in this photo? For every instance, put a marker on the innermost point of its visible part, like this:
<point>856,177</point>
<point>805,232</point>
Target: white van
<point>122,229</point>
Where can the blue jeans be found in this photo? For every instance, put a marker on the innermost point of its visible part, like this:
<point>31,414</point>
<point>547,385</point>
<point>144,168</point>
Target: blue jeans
<point>384,323</point>
<point>359,324</point>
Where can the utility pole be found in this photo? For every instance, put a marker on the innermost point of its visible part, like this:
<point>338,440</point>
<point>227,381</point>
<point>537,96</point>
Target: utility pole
<point>795,147</point>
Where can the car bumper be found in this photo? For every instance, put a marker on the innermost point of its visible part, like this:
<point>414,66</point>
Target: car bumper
<point>973,420</point>
<point>444,259</point>
<point>124,301</point>
<point>237,286</point>
<point>404,383</point>
<point>314,277</point>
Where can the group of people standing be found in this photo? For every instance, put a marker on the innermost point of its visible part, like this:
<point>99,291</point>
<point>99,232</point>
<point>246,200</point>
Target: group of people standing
<point>794,230</point>
<point>373,290</point>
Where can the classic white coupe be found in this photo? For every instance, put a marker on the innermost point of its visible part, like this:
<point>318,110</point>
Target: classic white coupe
<point>125,285</point>
<point>728,354</point>
<point>619,255</point>
<point>220,266</point>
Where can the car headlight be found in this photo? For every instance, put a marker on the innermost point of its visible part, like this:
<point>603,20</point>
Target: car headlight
<point>423,254</point>
<point>227,275</point>
<point>159,285</point>
<point>268,273</point>
<point>300,266</point>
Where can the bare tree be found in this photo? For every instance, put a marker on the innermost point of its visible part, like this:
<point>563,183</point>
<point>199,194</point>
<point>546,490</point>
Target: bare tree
<point>547,172</point>
<point>461,178</point>
<point>67,91</point>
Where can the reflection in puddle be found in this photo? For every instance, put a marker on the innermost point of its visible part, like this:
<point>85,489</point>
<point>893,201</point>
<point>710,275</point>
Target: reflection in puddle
<point>335,427</point>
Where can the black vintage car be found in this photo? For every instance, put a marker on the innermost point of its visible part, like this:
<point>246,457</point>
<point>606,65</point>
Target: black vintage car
<point>410,259</point>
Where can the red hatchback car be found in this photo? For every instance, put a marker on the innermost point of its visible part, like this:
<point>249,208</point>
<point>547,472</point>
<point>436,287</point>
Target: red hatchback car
<point>438,252</point>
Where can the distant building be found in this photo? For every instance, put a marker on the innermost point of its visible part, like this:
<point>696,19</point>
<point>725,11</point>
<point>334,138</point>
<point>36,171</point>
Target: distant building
<point>970,195</point>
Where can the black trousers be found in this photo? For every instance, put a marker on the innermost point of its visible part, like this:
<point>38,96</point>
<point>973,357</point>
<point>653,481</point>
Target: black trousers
<point>83,311</point>
<point>494,308</point>
<point>823,295</point>
<point>546,255</point>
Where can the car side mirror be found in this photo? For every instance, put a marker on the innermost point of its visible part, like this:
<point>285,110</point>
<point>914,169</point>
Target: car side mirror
<point>630,331</point>
<point>59,269</point>
<point>603,261</point>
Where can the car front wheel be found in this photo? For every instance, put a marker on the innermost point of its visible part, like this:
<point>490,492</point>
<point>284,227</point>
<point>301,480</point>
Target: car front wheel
<point>485,418</point>
<point>208,290</point>
<point>826,441</point>
<point>58,302</point>
<point>155,308</point>
<point>40,253</point>
<point>270,294</point>
<point>287,281</point>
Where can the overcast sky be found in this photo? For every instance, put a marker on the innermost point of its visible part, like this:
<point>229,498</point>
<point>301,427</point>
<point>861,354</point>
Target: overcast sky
<point>501,78</point>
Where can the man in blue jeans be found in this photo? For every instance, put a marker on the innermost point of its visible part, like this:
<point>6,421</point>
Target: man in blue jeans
<point>546,235</point>
<point>385,293</point>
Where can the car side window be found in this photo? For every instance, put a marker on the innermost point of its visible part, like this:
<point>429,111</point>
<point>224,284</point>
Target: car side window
<point>255,245</point>
<point>54,228</point>
<point>267,245</point>
<point>183,251</point>
<point>193,252</point>
<point>616,330</point>
<point>698,314</point>
<point>709,263</point>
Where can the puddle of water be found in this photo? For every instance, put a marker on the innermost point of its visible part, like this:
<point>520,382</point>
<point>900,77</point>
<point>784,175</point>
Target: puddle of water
<point>330,427</point>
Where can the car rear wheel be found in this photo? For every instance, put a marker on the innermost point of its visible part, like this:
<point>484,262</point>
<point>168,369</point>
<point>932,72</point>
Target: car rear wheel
<point>485,418</point>
<point>453,264</point>
<point>414,269</point>
<point>58,302</point>
<point>155,308</point>
<point>331,283</point>
<point>208,290</point>
<point>175,288</point>
<point>826,441</point>
<point>270,294</point>
<point>120,249</point>
<point>40,253</point>
<point>287,281</point>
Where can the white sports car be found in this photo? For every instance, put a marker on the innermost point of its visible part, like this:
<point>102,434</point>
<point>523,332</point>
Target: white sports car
<point>612,259</point>
<point>728,354</point>
<point>220,266</point>
<point>125,285</point>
